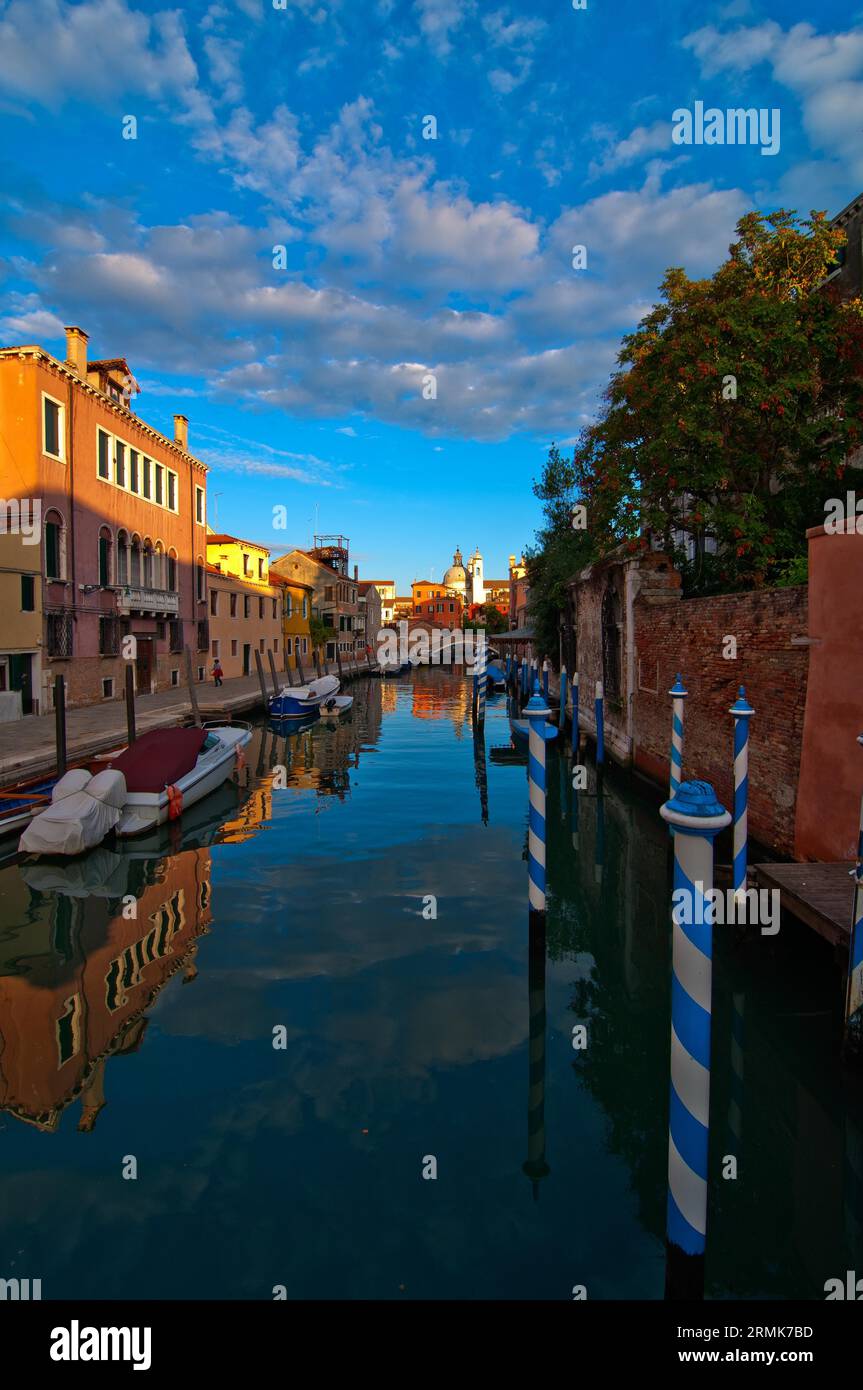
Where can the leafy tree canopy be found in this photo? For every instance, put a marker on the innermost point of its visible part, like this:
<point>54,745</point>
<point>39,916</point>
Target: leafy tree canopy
<point>734,407</point>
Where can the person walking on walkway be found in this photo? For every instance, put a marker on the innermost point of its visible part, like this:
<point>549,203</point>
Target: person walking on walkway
<point>217,672</point>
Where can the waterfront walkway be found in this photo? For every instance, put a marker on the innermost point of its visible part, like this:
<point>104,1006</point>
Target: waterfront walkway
<point>27,746</point>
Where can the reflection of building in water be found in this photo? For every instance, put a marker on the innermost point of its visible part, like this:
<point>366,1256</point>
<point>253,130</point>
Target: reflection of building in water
<point>441,692</point>
<point>81,996</point>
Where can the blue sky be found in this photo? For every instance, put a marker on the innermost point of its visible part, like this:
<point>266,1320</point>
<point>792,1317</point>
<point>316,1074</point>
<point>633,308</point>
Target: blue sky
<point>303,127</point>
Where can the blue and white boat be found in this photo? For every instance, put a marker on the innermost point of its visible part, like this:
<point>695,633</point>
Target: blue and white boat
<point>296,702</point>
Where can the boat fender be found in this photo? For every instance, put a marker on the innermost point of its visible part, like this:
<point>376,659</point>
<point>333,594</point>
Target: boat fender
<point>175,803</point>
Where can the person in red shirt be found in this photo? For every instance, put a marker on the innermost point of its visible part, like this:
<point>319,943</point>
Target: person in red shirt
<point>217,671</point>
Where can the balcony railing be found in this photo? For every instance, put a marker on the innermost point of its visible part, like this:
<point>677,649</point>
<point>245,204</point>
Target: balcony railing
<point>133,598</point>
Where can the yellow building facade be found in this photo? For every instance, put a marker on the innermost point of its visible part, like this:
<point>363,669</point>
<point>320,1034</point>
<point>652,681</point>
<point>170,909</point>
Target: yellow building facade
<point>296,611</point>
<point>21,609</point>
<point>245,607</point>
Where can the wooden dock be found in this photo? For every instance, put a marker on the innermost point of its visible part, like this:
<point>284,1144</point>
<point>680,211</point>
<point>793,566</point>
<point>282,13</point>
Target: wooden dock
<point>820,895</point>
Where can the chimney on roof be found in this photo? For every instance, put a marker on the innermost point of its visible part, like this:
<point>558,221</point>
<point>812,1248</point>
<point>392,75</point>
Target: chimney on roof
<point>181,431</point>
<point>512,562</point>
<point>76,350</point>
<point>356,573</point>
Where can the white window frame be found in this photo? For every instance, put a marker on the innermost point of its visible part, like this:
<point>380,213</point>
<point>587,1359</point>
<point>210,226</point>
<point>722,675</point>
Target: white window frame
<point>61,428</point>
<point>200,506</point>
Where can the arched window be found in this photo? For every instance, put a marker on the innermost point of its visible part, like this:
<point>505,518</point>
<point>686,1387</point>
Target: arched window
<point>55,545</point>
<point>611,634</point>
<point>172,570</point>
<point>122,557</point>
<point>159,566</point>
<point>135,566</point>
<point>148,563</point>
<point>106,557</point>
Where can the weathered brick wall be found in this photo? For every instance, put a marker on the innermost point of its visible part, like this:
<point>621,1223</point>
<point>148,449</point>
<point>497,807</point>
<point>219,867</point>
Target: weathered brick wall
<point>688,637</point>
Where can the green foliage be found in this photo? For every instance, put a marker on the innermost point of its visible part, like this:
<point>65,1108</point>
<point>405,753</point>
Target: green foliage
<point>736,403</point>
<point>320,632</point>
<point>560,551</point>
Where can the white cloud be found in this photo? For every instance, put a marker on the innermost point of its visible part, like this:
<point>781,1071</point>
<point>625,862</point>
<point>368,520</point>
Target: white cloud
<point>439,19</point>
<point>640,142</point>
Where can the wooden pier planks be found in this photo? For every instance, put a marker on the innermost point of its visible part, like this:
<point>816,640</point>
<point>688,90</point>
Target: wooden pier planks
<point>820,895</point>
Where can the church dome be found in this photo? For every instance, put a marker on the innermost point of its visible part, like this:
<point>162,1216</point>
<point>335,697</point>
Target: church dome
<point>455,577</point>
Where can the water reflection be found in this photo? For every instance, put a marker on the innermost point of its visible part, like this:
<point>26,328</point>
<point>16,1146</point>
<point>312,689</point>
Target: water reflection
<point>294,897</point>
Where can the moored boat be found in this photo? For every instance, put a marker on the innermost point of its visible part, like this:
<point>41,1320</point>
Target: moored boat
<point>336,705</point>
<point>139,789</point>
<point>294,702</point>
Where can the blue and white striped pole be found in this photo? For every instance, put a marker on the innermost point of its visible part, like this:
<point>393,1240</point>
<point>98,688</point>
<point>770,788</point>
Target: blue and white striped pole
<point>575,711</point>
<point>853,1043</point>
<point>599,705</point>
<point>743,712</point>
<point>481,680</point>
<point>545,679</point>
<point>523,678</point>
<point>561,721</point>
<point>536,712</point>
<point>695,818</point>
<point>678,694</point>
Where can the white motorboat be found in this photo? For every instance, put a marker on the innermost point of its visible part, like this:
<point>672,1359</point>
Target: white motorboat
<point>336,705</point>
<point>294,702</point>
<point>215,762</point>
<point>143,787</point>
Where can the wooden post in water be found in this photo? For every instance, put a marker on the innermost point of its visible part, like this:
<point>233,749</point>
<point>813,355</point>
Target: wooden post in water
<point>130,702</point>
<point>302,678</point>
<point>339,664</point>
<point>273,671</point>
<point>60,722</point>
<point>260,665</point>
<point>318,661</point>
<point>190,681</point>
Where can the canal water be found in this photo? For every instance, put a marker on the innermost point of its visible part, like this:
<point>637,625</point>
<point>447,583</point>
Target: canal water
<point>359,898</point>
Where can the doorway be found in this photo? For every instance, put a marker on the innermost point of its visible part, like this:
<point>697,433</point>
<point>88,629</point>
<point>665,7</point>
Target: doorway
<point>21,678</point>
<point>247,658</point>
<point>143,664</point>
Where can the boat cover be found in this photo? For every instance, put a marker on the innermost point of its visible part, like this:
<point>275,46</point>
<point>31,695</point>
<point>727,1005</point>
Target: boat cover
<point>159,759</point>
<point>79,821</point>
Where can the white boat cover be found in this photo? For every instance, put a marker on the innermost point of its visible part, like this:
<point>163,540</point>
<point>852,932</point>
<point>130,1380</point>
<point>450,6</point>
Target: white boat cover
<point>78,819</point>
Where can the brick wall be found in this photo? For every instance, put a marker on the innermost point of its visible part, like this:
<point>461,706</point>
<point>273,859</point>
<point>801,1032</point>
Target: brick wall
<point>688,636</point>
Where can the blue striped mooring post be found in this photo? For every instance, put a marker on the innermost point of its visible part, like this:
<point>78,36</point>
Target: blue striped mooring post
<point>575,711</point>
<point>545,679</point>
<point>743,712</point>
<point>481,680</point>
<point>540,731</point>
<point>599,705</point>
<point>561,719</point>
<point>678,694</point>
<point>695,818</point>
<point>853,1041</point>
<point>523,678</point>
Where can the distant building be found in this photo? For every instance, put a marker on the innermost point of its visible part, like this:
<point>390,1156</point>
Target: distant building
<point>518,593</point>
<point>403,606</point>
<point>296,611</point>
<point>370,613</point>
<point>436,603</point>
<point>387,590</point>
<point>245,608</point>
<point>334,593</point>
<point>466,580</point>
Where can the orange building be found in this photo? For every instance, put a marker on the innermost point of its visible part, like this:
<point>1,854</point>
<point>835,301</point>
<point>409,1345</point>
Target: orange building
<point>436,604</point>
<point>123,522</point>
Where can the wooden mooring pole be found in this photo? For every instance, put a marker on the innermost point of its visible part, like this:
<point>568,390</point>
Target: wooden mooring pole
<point>190,681</point>
<point>273,671</point>
<point>263,684</point>
<point>60,722</point>
<point>130,703</point>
